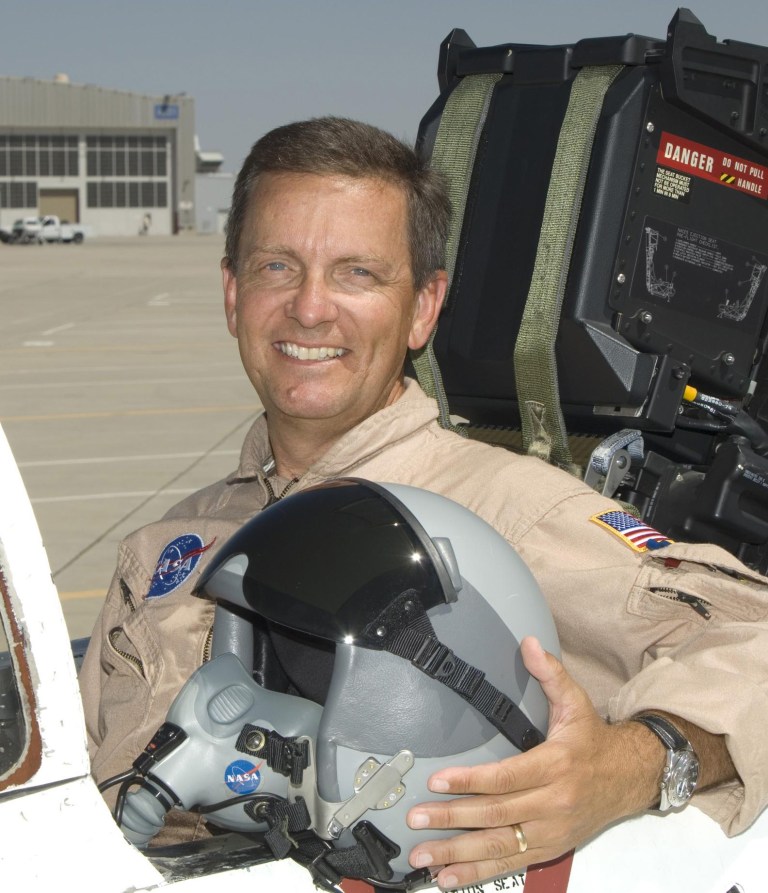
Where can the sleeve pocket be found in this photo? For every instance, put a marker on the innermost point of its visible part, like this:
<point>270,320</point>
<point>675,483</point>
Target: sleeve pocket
<point>698,583</point>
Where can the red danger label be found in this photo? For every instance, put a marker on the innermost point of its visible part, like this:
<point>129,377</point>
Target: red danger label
<point>713,165</point>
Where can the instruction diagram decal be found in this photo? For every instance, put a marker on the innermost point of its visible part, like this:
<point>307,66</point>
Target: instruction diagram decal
<point>699,275</point>
<point>736,309</point>
<point>658,287</point>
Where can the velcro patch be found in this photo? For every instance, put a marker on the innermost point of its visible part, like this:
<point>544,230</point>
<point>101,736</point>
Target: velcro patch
<point>632,531</point>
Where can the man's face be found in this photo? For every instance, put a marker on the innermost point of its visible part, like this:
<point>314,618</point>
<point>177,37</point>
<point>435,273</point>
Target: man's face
<point>323,304</point>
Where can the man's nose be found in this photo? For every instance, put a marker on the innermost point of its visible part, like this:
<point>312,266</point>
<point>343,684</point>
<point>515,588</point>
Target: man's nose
<point>312,304</point>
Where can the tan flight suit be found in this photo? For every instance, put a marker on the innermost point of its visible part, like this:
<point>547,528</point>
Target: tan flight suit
<point>625,634</point>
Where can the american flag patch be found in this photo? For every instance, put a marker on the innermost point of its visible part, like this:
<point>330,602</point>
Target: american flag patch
<point>632,531</point>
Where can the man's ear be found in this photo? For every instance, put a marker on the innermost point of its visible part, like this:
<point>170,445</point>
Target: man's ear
<point>429,302</point>
<point>229,282</point>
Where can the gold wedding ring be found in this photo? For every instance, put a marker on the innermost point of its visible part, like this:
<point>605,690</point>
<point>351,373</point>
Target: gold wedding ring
<point>522,841</point>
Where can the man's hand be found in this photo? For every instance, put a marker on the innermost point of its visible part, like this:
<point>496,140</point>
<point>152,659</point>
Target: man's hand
<point>584,776</point>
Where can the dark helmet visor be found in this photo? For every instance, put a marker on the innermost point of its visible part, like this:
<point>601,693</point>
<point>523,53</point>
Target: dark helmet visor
<point>329,559</point>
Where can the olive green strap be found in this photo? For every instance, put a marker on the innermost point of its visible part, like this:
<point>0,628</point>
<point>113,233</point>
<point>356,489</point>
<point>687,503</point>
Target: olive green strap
<point>454,156</point>
<point>538,393</point>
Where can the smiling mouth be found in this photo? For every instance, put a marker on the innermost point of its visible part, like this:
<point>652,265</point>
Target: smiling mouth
<point>310,353</point>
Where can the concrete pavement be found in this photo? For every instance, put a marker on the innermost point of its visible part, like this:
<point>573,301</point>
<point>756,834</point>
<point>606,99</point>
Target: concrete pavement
<point>120,392</point>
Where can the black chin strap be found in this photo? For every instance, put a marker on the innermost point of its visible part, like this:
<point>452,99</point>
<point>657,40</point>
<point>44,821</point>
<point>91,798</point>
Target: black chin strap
<point>289,834</point>
<point>404,629</point>
<point>288,756</point>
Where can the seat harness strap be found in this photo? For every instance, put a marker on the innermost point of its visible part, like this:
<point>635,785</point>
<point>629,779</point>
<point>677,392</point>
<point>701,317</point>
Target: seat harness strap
<point>458,135</point>
<point>538,393</point>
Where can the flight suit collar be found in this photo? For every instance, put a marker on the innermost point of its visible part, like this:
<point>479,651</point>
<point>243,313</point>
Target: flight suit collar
<point>412,412</point>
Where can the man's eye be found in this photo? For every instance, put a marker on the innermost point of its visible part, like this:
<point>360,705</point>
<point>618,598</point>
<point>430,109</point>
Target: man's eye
<point>276,266</point>
<point>360,271</point>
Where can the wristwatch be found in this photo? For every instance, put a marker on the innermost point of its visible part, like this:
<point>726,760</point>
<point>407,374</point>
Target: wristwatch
<point>681,771</point>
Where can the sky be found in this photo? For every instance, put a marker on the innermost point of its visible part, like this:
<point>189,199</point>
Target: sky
<point>254,64</point>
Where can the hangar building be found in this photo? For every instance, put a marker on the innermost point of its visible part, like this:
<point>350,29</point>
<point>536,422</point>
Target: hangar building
<point>102,158</point>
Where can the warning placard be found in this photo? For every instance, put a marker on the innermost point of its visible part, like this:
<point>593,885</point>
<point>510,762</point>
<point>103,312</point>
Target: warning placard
<point>714,165</point>
<point>672,184</point>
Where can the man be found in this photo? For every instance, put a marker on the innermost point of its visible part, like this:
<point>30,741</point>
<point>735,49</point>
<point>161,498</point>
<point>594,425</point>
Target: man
<point>333,270</point>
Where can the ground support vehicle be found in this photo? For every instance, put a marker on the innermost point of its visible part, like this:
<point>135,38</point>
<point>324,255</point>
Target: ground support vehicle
<point>27,230</point>
<point>56,230</point>
<point>42,230</point>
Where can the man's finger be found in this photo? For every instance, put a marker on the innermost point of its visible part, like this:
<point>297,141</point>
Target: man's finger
<point>493,845</point>
<point>469,812</point>
<point>540,663</point>
<point>465,874</point>
<point>518,773</point>
<point>565,696</point>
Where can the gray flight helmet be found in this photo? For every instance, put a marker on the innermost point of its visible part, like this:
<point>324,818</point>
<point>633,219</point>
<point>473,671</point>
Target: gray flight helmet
<point>426,605</point>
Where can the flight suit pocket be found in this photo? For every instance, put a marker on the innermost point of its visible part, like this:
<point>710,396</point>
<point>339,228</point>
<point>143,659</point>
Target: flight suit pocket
<point>123,650</point>
<point>698,584</point>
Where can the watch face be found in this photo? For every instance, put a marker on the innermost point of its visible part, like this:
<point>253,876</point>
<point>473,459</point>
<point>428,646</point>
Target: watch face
<point>682,777</point>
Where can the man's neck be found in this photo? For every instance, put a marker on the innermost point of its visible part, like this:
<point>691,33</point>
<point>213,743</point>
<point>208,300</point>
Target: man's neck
<point>298,443</point>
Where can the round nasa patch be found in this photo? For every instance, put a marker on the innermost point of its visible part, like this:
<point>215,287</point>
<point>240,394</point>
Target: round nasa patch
<point>176,562</point>
<point>242,777</point>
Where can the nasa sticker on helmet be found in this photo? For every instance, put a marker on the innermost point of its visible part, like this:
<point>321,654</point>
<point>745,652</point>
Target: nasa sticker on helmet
<point>242,777</point>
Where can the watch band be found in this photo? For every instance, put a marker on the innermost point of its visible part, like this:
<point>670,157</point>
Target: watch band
<point>681,771</point>
<point>670,735</point>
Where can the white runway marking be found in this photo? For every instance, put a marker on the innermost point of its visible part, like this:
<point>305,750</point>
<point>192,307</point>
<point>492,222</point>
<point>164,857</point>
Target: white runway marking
<point>140,458</point>
<point>67,325</point>
<point>34,370</point>
<point>116,381</point>
<point>126,494</point>
<point>127,413</point>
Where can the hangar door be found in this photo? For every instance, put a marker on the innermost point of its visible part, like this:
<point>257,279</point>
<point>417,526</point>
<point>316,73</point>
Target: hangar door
<point>64,203</point>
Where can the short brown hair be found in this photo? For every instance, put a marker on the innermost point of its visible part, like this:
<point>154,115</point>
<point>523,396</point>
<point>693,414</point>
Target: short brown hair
<point>350,148</point>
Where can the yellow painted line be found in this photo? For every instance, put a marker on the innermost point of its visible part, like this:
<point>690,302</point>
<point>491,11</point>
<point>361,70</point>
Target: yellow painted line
<point>107,414</point>
<point>83,593</point>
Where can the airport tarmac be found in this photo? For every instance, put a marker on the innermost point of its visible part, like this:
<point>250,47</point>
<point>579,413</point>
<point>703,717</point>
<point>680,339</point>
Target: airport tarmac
<point>121,391</point>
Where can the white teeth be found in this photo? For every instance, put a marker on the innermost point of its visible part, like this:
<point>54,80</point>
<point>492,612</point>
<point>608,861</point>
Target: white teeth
<point>310,353</point>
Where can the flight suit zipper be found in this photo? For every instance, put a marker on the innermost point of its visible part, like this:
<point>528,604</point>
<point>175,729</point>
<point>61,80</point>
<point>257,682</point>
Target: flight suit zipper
<point>127,597</point>
<point>114,634</point>
<point>276,497</point>
<point>699,605</point>
<point>116,631</point>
